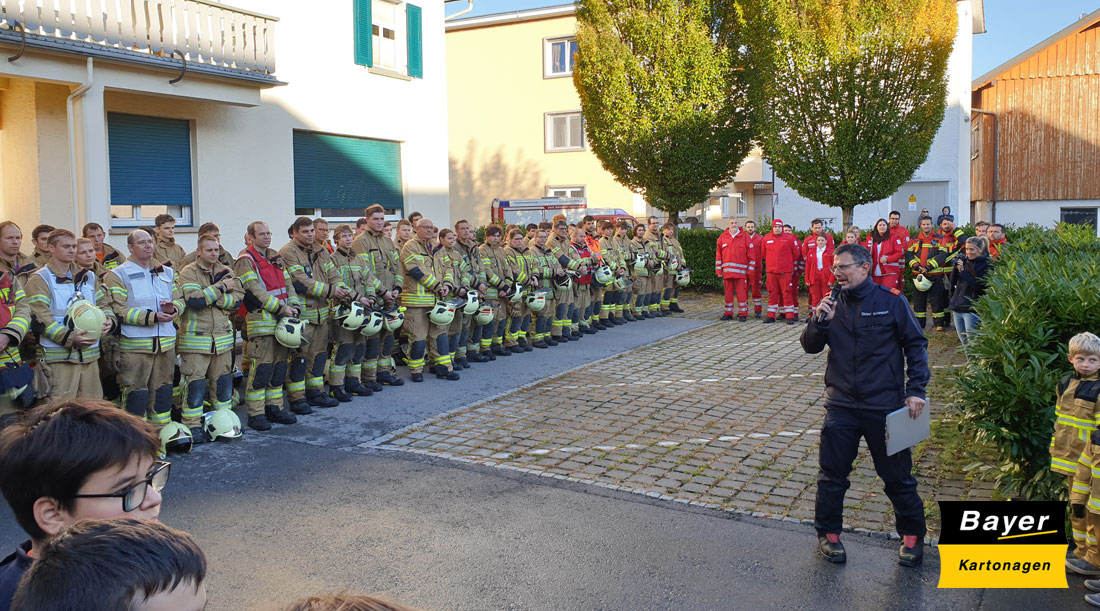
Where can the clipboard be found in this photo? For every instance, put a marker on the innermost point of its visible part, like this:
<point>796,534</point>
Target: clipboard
<point>903,432</point>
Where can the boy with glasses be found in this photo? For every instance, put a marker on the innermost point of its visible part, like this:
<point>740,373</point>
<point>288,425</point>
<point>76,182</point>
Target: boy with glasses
<point>75,460</point>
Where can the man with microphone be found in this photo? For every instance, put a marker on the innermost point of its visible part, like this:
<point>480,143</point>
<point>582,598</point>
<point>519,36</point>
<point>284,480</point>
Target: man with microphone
<point>873,340</point>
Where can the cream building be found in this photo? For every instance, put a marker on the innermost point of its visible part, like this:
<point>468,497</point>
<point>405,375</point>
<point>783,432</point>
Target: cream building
<point>141,107</point>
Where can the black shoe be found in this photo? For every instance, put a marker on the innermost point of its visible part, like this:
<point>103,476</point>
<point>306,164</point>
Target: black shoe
<point>340,394</point>
<point>258,423</point>
<point>588,330</point>
<point>199,436</point>
<point>357,388</point>
<point>301,407</point>
<point>278,416</point>
<point>540,344</point>
<point>629,318</point>
<point>833,552</point>
<point>517,349</point>
<point>911,556</point>
<point>791,321</point>
<point>769,320</point>
<point>552,341</point>
<point>487,356</point>
<point>526,347</point>
<point>464,363</point>
<point>317,399</point>
<point>726,317</point>
<point>574,337</point>
<point>742,319</point>
<point>600,325</point>
<point>676,308</point>
<point>389,379</point>
<point>442,373</point>
<point>375,386</point>
<point>757,314</point>
<point>501,351</point>
<point>416,376</point>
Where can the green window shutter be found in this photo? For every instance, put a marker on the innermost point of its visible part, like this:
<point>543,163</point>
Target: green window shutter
<point>342,175</point>
<point>416,41</point>
<point>364,37</point>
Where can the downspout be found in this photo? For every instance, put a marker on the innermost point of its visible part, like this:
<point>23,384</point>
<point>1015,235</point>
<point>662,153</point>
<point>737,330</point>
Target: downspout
<point>993,209</point>
<point>75,95</point>
<point>469,7</point>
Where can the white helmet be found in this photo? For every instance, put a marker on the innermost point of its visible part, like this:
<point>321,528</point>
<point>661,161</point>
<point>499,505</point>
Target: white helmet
<point>174,437</point>
<point>683,277</point>
<point>443,312</point>
<point>536,301</point>
<point>473,302</point>
<point>395,318</point>
<point>564,282</point>
<point>602,275</point>
<point>83,315</point>
<point>290,332</point>
<point>623,283</point>
<point>375,322</point>
<point>221,424</point>
<point>640,260</point>
<point>922,282</point>
<point>517,294</point>
<point>674,264</point>
<point>485,315</point>
<point>351,315</point>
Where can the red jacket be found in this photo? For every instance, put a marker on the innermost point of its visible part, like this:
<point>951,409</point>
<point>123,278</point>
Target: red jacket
<point>889,248</point>
<point>994,247</point>
<point>756,252</point>
<point>822,275</point>
<point>731,259</point>
<point>780,253</point>
<point>809,245</point>
<point>901,234</point>
<point>799,258</point>
<point>584,252</point>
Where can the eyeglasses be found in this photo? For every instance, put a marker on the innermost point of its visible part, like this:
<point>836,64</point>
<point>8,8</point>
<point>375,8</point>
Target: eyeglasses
<point>133,496</point>
<point>837,268</point>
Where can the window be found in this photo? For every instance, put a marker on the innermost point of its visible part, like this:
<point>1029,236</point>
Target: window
<point>149,160</point>
<point>558,56</point>
<point>742,207</point>
<point>572,191</point>
<point>724,202</point>
<point>564,131</point>
<point>338,176</point>
<point>1079,216</point>
<point>389,37</point>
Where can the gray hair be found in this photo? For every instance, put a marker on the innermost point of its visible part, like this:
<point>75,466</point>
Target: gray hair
<point>858,252</point>
<point>133,236</point>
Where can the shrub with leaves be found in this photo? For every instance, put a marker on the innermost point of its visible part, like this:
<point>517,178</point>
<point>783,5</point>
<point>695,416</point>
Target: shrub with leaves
<point>699,246</point>
<point>1043,290</point>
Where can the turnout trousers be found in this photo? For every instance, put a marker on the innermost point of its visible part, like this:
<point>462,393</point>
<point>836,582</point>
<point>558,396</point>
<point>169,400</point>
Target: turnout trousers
<point>199,372</point>
<point>267,367</point>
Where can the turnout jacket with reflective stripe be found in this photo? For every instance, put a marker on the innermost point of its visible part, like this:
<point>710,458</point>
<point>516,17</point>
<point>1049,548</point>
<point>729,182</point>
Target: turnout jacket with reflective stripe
<point>1075,416</point>
<point>263,308</point>
<point>206,326</point>
<point>383,256</point>
<point>420,279</point>
<point>313,277</point>
<point>55,337</point>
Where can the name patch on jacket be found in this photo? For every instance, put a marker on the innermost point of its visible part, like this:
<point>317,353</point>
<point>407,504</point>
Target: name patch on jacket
<point>883,313</point>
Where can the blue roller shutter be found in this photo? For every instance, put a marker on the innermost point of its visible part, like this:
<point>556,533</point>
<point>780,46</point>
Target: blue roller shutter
<point>149,159</point>
<point>342,175</point>
<point>416,41</point>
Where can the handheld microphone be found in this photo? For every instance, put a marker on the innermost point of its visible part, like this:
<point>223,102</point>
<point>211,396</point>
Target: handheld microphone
<point>832,295</point>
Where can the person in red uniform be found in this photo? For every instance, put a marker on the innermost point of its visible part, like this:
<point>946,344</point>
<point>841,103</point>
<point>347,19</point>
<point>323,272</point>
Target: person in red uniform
<point>997,239</point>
<point>756,265</point>
<point>817,228</point>
<point>732,265</point>
<point>799,265</point>
<point>819,278</point>
<point>923,257</point>
<point>901,234</point>
<point>780,254</point>
<point>886,255</point>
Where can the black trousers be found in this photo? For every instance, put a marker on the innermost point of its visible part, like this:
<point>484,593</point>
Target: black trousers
<point>839,444</point>
<point>938,297</point>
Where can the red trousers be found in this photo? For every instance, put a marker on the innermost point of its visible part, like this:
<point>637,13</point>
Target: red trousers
<point>781,299</point>
<point>754,286</point>
<point>818,291</point>
<point>737,293</point>
<point>887,280</point>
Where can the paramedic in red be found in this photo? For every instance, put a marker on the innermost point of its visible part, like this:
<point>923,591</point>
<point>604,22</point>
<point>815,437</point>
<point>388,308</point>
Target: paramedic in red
<point>817,227</point>
<point>732,265</point>
<point>901,234</point>
<point>799,265</point>
<point>819,278</point>
<point>780,254</point>
<point>886,255</point>
<point>756,264</point>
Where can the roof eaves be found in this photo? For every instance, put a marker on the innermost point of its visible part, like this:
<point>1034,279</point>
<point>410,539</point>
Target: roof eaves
<point>546,12</point>
<point>1081,24</point>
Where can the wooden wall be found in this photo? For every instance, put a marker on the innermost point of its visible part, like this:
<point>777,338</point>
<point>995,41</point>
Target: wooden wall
<point>1048,124</point>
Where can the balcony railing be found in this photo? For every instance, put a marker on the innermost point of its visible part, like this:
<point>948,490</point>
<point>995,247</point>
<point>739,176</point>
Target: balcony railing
<point>204,32</point>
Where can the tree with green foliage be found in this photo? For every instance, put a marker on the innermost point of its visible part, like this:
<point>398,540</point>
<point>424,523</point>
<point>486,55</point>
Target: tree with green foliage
<point>663,88</point>
<point>848,94</point>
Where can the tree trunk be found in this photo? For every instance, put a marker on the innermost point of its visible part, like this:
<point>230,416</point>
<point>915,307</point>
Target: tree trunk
<point>847,216</point>
<point>674,218</point>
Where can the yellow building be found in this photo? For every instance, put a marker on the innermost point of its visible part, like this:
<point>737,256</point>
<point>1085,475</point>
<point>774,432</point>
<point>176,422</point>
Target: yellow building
<point>516,130</point>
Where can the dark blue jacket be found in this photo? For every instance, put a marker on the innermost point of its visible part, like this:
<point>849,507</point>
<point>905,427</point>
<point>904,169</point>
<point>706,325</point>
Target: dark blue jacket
<point>11,571</point>
<point>968,284</point>
<point>871,339</point>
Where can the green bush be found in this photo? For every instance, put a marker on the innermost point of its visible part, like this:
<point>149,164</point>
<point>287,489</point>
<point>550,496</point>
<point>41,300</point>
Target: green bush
<point>1043,290</point>
<point>699,248</point>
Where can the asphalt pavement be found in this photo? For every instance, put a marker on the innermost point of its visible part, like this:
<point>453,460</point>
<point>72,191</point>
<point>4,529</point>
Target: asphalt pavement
<point>305,509</point>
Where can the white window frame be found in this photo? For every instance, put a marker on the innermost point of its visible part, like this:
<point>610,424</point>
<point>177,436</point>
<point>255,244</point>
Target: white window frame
<point>742,206</point>
<point>724,202</point>
<point>399,26</point>
<point>569,191</point>
<point>548,127</point>
<point>548,56</point>
<point>182,214</point>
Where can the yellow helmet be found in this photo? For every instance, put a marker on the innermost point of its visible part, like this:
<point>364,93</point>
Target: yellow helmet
<point>290,332</point>
<point>374,324</point>
<point>922,282</point>
<point>174,437</point>
<point>83,315</point>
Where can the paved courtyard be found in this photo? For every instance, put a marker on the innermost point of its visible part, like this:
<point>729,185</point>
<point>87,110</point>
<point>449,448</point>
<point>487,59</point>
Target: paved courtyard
<point>726,416</point>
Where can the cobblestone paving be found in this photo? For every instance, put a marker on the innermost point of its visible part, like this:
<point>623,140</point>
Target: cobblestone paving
<point>727,416</point>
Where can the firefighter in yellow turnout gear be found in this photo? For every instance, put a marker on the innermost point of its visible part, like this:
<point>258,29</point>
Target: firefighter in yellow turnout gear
<point>570,262</point>
<point>519,316</point>
<point>384,261</point>
<point>349,347</point>
<point>494,262</point>
<point>549,271</point>
<point>469,342</point>
<point>421,286</point>
<point>211,293</point>
<point>448,255</point>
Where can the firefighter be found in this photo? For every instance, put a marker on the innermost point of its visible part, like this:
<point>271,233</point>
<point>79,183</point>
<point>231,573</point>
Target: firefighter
<point>268,296</point>
<point>997,239</point>
<point>469,345</point>
<point>105,254</point>
<point>676,256</point>
<point>224,257</point>
<point>349,345</point>
<point>316,282</point>
<point>321,235</point>
<point>952,241</point>
<point>658,303</point>
<point>779,257</point>
<point>643,277</point>
<point>732,265</point>
<point>620,242</point>
<point>69,356</point>
<point>549,270</point>
<point>519,316</point>
<point>611,258</point>
<point>756,266</point>
<point>143,296</point>
<point>582,311</point>
<point>211,293</point>
<point>384,261</point>
<point>923,257</point>
<point>449,258</point>
<point>569,262</point>
<point>167,252</point>
<point>494,263</point>
<point>40,236</point>
<point>422,285</point>
<point>596,292</point>
<point>108,343</point>
<point>15,317</point>
<point>12,260</point>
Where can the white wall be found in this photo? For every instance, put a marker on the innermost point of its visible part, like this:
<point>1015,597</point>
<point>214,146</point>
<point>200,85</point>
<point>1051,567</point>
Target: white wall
<point>1045,212</point>
<point>948,158</point>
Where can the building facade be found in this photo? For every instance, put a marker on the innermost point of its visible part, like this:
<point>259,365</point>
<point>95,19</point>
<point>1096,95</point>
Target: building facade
<point>1036,132</point>
<point>177,107</point>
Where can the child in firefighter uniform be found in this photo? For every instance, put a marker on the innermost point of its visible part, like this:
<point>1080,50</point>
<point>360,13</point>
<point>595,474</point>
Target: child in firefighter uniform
<point>212,294</point>
<point>143,296</point>
<point>384,260</point>
<point>349,345</point>
<point>422,285</point>
<point>268,296</point>
<point>68,357</point>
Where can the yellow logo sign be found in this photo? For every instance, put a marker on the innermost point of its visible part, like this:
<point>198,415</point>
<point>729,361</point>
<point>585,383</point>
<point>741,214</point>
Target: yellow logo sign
<point>989,544</point>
